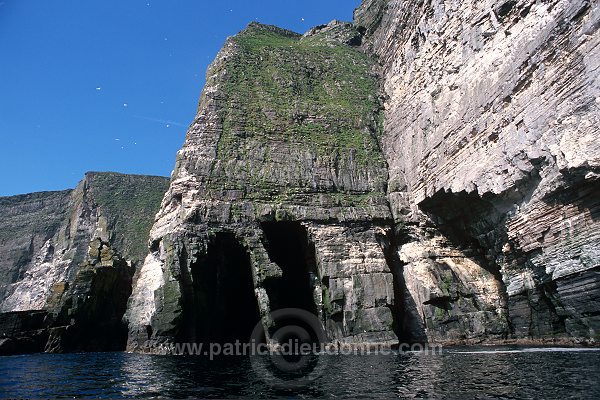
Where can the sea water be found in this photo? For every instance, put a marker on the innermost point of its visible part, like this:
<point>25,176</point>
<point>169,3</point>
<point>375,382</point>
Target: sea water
<point>461,373</point>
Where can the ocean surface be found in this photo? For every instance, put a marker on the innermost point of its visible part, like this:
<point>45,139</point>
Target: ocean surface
<point>460,373</point>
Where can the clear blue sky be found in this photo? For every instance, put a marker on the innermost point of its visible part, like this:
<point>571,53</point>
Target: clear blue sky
<point>111,85</point>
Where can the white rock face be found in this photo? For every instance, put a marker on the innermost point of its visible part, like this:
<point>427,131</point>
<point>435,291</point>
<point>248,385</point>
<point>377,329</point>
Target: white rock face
<point>46,236</point>
<point>33,291</point>
<point>142,303</point>
<point>361,284</point>
<point>446,287</point>
<point>54,262</point>
<point>492,141</point>
<point>493,136</point>
<point>474,102</point>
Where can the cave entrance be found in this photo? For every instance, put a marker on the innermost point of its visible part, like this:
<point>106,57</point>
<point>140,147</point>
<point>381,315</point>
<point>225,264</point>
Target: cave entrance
<point>288,246</point>
<point>225,304</point>
<point>468,221</point>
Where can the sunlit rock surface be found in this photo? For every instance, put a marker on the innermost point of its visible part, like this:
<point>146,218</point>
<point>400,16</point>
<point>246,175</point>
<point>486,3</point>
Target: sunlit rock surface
<point>432,168</point>
<point>493,145</point>
<point>429,172</point>
<point>281,179</point>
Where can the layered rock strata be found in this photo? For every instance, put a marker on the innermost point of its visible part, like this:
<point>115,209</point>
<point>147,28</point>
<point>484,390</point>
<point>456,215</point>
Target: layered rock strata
<point>492,140</point>
<point>429,173</point>
<point>486,116</point>
<point>280,185</point>
<point>70,256</point>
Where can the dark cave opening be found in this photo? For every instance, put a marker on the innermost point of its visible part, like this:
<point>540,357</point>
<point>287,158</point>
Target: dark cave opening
<point>475,225</point>
<point>289,247</point>
<point>225,306</point>
<point>469,222</point>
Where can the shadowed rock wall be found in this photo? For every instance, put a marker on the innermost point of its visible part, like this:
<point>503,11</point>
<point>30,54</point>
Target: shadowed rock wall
<point>70,256</point>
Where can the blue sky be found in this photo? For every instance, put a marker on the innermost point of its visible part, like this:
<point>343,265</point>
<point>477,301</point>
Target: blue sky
<point>111,85</point>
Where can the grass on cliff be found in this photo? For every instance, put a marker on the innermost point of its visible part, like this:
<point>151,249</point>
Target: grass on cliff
<point>304,91</point>
<point>131,202</point>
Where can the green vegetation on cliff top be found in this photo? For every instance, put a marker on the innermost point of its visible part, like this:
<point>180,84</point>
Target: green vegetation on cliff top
<point>308,91</point>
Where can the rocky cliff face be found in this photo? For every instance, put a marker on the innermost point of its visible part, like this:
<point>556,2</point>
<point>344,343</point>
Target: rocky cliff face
<point>28,222</point>
<point>485,115</point>
<point>492,140</point>
<point>70,256</point>
<point>278,199</point>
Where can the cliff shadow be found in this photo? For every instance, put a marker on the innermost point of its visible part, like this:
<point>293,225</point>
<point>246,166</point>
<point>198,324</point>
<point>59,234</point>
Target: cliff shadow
<point>408,326</point>
<point>585,195</point>
<point>470,223</point>
<point>288,246</point>
<point>223,308</point>
<point>474,228</point>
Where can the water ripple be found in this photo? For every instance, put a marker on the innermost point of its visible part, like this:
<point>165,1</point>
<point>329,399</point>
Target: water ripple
<point>501,373</point>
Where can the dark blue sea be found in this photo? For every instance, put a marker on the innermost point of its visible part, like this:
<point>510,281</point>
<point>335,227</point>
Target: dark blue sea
<point>498,373</point>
